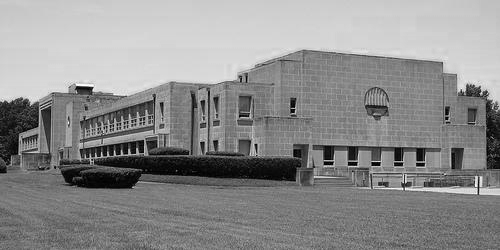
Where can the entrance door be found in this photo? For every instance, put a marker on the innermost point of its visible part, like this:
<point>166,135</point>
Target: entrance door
<point>301,151</point>
<point>456,158</point>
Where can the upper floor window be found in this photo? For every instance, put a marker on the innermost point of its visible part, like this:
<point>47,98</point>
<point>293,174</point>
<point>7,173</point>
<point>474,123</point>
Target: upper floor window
<point>420,157</point>
<point>216,107</point>
<point>398,157</point>
<point>352,156</point>
<point>447,119</point>
<point>471,116</point>
<point>293,106</point>
<point>162,111</point>
<point>244,106</point>
<point>202,105</point>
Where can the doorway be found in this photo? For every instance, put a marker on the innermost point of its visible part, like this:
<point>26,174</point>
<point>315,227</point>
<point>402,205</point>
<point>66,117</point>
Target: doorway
<point>301,151</point>
<point>457,158</point>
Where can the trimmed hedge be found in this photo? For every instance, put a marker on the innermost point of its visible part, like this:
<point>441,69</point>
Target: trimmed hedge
<point>168,151</point>
<point>109,177</point>
<point>3,166</point>
<point>224,153</point>
<point>69,172</point>
<point>271,168</point>
<point>73,162</point>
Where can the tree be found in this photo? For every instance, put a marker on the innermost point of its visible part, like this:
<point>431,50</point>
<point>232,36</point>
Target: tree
<point>16,116</point>
<point>492,123</point>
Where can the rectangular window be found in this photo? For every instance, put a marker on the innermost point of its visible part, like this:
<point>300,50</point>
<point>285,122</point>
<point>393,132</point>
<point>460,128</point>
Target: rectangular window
<point>244,147</point>
<point>244,105</point>
<point>256,147</point>
<point>111,150</point>
<point>293,106</point>
<point>133,148</point>
<point>202,106</point>
<point>420,157</point>
<point>162,112</point>
<point>216,107</point>
<point>352,156</point>
<point>202,147</point>
<point>141,147</point>
<point>447,119</point>
<point>118,149</point>
<point>125,148</point>
<point>328,156</point>
<point>376,157</point>
<point>398,157</point>
<point>471,116</point>
<point>216,145</point>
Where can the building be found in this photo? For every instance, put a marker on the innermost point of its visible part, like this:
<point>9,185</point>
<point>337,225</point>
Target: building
<point>57,134</point>
<point>336,111</point>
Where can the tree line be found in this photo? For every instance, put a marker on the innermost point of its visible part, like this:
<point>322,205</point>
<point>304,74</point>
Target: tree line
<point>20,115</point>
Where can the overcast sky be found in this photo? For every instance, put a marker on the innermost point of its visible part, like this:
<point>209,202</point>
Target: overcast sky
<point>125,46</point>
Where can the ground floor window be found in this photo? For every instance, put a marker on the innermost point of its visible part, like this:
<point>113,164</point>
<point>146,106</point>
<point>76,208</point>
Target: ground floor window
<point>244,146</point>
<point>420,157</point>
<point>376,157</point>
<point>202,147</point>
<point>352,156</point>
<point>398,157</point>
<point>216,145</point>
<point>328,156</point>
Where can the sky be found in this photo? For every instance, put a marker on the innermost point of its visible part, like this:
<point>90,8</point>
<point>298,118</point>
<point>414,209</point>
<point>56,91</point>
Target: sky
<point>125,46</point>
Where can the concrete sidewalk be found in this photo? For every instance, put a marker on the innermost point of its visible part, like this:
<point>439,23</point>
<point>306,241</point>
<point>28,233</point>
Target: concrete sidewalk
<point>453,190</point>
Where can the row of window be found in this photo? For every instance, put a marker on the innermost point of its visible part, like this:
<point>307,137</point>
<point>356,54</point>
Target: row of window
<point>243,147</point>
<point>471,115</point>
<point>115,127</point>
<point>29,142</point>
<point>376,156</point>
<point>128,148</point>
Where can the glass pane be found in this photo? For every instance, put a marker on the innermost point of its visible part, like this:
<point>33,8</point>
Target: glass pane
<point>420,154</point>
<point>398,154</point>
<point>471,116</point>
<point>376,154</point>
<point>244,103</point>
<point>353,153</point>
<point>328,153</point>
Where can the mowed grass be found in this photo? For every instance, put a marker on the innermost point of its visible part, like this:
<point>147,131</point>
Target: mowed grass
<point>39,211</point>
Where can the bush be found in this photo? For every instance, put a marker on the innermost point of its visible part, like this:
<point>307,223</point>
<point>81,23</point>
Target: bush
<point>271,168</point>
<point>3,166</point>
<point>224,153</point>
<point>73,161</point>
<point>69,172</point>
<point>110,177</point>
<point>78,181</point>
<point>168,151</point>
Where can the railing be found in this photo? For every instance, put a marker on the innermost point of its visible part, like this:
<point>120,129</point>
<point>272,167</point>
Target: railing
<point>134,123</point>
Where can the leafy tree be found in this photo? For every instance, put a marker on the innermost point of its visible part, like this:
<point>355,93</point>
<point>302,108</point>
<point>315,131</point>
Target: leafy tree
<point>16,116</point>
<point>492,123</point>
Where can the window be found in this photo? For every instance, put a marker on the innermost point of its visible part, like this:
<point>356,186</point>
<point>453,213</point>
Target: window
<point>202,105</point>
<point>471,116</point>
<point>246,77</point>
<point>256,147</point>
<point>133,148</point>
<point>376,157</point>
<point>447,115</point>
<point>293,106</point>
<point>244,147</point>
<point>216,107</point>
<point>216,145</point>
<point>125,148</point>
<point>398,157</point>
<point>142,121</point>
<point>141,147</point>
<point>352,156</point>
<point>245,104</point>
<point>420,157</point>
<point>328,156</point>
<point>111,150</point>
<point>118,149</point>
<point>162,111</point>
<point>202,147</point>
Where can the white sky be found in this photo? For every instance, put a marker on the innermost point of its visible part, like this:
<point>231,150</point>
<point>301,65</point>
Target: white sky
<point>125,46</point>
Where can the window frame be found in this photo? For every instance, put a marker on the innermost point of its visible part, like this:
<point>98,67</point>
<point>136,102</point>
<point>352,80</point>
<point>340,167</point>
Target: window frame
<point>399,163</point>
<point>216,107</point>
<point>329,162</point>
<point>203,111</point>
<point>352,162</point>
<point>447,115</point>
<point>421,163</point>
<point>293,106</point>
<point>475,116</point>
<point>376,163</point>
<point>247,114</point>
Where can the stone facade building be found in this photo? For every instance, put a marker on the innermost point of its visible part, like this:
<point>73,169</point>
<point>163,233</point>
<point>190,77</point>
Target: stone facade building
<point>336,111</point>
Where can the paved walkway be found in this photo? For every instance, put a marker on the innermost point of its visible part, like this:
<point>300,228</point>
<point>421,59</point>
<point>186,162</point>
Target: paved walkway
<point>454,190</point>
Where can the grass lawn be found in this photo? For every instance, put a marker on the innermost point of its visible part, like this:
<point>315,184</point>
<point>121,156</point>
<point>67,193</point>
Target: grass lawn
<point>39,211</point>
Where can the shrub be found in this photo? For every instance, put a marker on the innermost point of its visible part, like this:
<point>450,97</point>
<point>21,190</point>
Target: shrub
<point>3,166</point>
<point>272,168</point>
<point>69,172</point>
<point>73,161</point>
<point>78,181</point>
<point>225,153</point>
<point>110,177</point>
<point>168,151</point>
